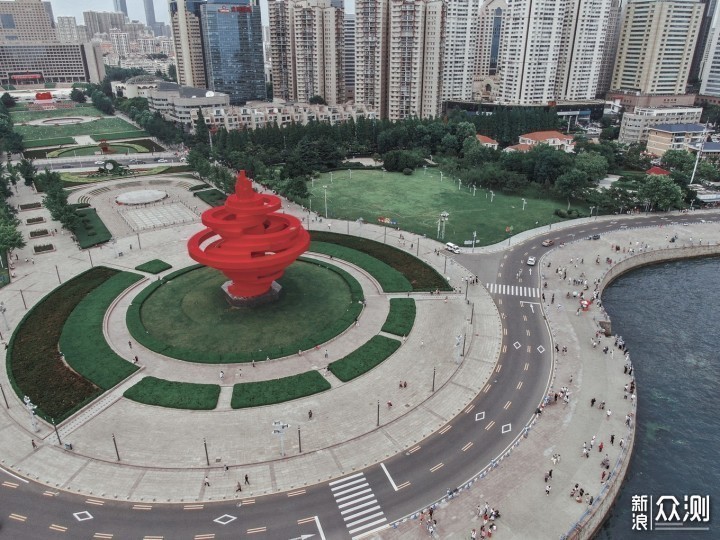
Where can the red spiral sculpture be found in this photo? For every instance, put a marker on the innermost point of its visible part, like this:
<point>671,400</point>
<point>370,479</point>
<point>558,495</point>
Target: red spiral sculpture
<point>256,243</point>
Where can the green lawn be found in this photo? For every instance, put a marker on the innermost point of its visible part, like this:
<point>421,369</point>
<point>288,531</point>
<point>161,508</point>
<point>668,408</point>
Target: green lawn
<point>96,128</point>
<point>189,318</point>
<point>91,150</point>
<point>154,266</point>
<point>401,318</point>
<point>175,395</point>
<point>28,116</point>
<point>90,230</point>
<point>255,394</point>
<point>363,359</point>
<point>415,203</point>
<point>55,141</point>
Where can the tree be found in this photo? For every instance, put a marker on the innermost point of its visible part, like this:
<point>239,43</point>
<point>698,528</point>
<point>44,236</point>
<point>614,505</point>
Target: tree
<point>27,170</point>
<point>592,164</point>
<point>172,72</point>
<point>571,184</point>
<point>10,238</point>
<point>678,159</point>
<point>660,192</point>
<point>78,96</point>
<point>8,100</point>
<point>201,129</point>
<point>318,100</point>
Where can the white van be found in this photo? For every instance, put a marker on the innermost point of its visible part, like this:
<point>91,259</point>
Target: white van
<point>452,247</point>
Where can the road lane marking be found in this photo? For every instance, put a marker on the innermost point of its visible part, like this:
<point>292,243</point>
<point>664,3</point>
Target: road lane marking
<point>193,507</point>
<point>467,446</point>
<point>413,450</point>
<point>256,530</point>
<point>519,386</point>
<point>498,368</point>
<point>9,484</point>
<point>507,405</point>
<point>529,349</point>
<point>491,424</point>
<point>305,520</point>
<point>142,507</point>
<point>392,482</point>
<point>527,366</point>
<point>505,331</point>
<point>18,517</point>
<point>445,429</point>
<point>504,348</point>
<point>58,528</point>
<point>469,408</point>
<point>487,388</point>
<point>436,467</point>
<point>208,536</point>
<point>49,493</point>
<point>247,501</point>
<point>296,493</point>
<point>525,318</point>
<point>320,529</point>
<point>94,502</point>
<point>14,476</point>
<point>527,332</point>
<point>403,485</point>
<point>103,536</point>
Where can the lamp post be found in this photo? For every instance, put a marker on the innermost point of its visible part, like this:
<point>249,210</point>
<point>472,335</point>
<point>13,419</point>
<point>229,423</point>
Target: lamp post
<point>441,224</point>
<point>279,430</point>
<point>331,178</point>
<point>3,309</point>
<point>492,195</point>
<point>474,190</point>
<point>433,385</point>
<point>459,184</point>
<point>441,176</point>
<point>474,237</point>
<point>524,203</point>
<point>326,212</point>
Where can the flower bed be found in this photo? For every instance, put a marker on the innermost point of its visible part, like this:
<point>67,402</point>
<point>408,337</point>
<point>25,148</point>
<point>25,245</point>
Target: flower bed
<point>39,232</point>
<point>43,248</point>
<point>30,206</point>
<point>34,220</point>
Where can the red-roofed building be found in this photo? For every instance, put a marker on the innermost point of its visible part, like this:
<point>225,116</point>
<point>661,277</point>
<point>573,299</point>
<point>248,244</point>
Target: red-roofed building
<point>552,138</point>
<point>657,170</point>
<point>522,147</point>
<point>487,141</point>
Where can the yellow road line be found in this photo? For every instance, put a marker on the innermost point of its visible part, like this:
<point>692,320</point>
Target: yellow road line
<point>491,424</point>
<point>436,467</point>
<point>296,493</point>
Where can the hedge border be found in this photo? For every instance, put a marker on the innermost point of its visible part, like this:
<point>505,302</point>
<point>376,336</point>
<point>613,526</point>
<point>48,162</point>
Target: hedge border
<point>137,330</point>
<point>258,394</point>
<point>154,266</point>
<point>401,317</point>
<point>364,358</point>
<point>174,394</point>
<point>82,340</point>
<point>51,302</point>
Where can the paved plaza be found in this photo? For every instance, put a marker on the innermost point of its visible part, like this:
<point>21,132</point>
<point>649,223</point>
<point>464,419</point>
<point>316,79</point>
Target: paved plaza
<point>162,449</point>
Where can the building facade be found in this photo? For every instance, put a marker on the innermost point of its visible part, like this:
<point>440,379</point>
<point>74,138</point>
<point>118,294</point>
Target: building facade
<point>176,102</point>
<point>615,19</point>
<point>461,48</point>
<point>710,75</point>
<point>232,40</point>
<point>656,46</point>
<point>349,55</point>
<point>187,36</point>
<point>120,6</point>
<point>26,20</point>
<point>120,42</point>
<point>635,125</point>
<point>67,30</point>
<point>100,22</point>
<point>372,31</point>
<point>37,63</point>
<point>282,57</point>
<point>664,137</point>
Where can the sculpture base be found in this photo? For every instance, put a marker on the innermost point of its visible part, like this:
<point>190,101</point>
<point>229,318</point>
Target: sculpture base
<point>272,295</point>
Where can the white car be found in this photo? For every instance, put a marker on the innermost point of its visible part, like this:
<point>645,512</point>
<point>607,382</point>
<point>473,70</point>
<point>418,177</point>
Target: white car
<point>531,261</point>
<point>162,160</point>
<point>99,163</point>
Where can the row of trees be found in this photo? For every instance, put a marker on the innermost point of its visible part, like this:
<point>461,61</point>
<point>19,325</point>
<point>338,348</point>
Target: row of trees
<point>10,237</point>
<point>10,142</point>
<point>56,200</point>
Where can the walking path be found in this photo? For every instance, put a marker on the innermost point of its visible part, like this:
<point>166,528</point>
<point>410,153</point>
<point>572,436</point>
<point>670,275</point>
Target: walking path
<point>162,450</point>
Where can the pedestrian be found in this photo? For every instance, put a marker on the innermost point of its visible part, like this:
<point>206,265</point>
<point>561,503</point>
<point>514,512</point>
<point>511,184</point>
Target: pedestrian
<point>310,415</point>
<point>547,490</point>
<point>550,473</point>
<point>389,404</point>
<point>600,447</point>
<point>130,344</point>
<point>608,414</point>
<point>253,363</point>
<point>34,444</point>
<point>546,477</point>
<point>622,443</point>
<point>247,480</point>
<point>552,300</point>
<point>602,477</point>
<point>136,359</point>
<point>326,353</point>
<point>226,468</point>
<point>207,482</point>
<point>612,440</point>
<point>592,402</point>
<point>222,375</point>
<point>239,487</point>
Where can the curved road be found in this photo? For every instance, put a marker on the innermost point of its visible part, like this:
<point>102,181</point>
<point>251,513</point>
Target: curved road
<point>397,487</point>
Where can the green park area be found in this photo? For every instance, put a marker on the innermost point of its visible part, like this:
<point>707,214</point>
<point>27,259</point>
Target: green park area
<point>19,117</point>
<point>106,127</point>
<point>415,202</point>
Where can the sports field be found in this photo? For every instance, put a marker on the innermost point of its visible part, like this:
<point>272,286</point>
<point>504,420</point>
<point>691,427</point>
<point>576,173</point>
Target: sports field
<point>19,117</point>
<point>415,203</point>
<point>96,129</point>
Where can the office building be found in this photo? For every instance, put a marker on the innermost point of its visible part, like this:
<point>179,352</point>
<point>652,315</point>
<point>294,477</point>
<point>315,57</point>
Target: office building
<point>185,20</point>
<point>100,22</point>
<point>67,30</point>
<point>490,22</point>
<point>656,46</point>
<point>282,59</point>
<point>349,55</point>
<point>120,6</point>
<point>150,13</point>
<point>664,137</point>
<point>232,40</point>
<point>461,48</point>
<point>26,20</point>
<point>39,63</point>
<point>710,75</point>
<point>635,125</point>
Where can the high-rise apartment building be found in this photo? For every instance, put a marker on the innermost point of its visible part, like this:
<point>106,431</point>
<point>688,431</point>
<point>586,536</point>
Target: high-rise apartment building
<point>489,35</point>
<point>67,30</point>
<point>120,6</point>
<point>185,20</point>
<point>232,40</point>
<point>100,22</point>
<point>710,75</point>
<point>306,40</point>
<point>612,36</point>
<point>120,42</point>
<point>372,31</point>
<point>349,55</point>
<point>704,38</point>
<point>656,46</point>
<point>461,48</point>
<point>415,58</point>
<point>25,20</point>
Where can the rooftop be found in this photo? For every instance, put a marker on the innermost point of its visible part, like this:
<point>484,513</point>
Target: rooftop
<point>679,128</point>
<point>546,135</point>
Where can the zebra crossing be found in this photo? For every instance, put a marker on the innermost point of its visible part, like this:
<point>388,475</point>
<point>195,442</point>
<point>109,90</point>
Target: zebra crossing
<point>357,503</point>
<point>513,290</point>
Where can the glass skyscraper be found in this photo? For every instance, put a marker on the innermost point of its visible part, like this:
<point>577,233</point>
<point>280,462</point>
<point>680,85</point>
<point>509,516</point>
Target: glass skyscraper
<point>232,39</point>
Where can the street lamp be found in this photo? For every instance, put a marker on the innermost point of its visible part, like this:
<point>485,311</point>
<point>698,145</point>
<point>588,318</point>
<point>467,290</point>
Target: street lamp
<point>459,184</point>
<point>441,176</point>
<point>524,203</point>
<point>474,190</point>
<point>474,237</point>
<point>326,212</point>
<point>331,178</point>
<point>279,430</point>
<point>31,409</point>
<point>591,210</point>
<point>441,225</point>
<point>492,195</point>
<point>3,309</point>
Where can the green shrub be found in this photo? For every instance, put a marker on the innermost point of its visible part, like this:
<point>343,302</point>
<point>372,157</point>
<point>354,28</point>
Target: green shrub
<point>39,232</point>
<point>213,197</point>
<point>154,267</point>
<point>260,393</point>
<point>364,359</point>
<point>401,318</point>
<point>421,276</point>
<point>407,171</point>
<point>82,340</point>
<point>199,187</point>
<point>389,279</point>
<point>33,363</point>
<point>175,395</point>
<point>90,222</point>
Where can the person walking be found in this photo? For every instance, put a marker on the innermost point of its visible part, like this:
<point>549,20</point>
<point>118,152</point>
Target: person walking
<point>34,444</point>
<point>547,490</point>
<point>247,480</point>
<point>222,375</point>
<point>612,440</point>
<point>310,415</point>
<point>207,481</point>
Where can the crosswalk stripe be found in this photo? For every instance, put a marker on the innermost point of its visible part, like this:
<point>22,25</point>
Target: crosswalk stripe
<point>348,484</point>
<point>366,511</point>
<point>366,518</point>
<point>356,502</point>
<point>368,525</point>
<point>351,489</point>
<point>359,505</point>
<point>513,290</point>
<point>343,499</point>
<point>345,505</point>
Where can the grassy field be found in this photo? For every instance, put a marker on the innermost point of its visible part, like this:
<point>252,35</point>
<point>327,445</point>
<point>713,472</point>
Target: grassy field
<point>28,116</point>
<point>259,393</point>
<point>175,395</point>
<point>39,143</point>
<point>415,203</point>
<point>96,129</point>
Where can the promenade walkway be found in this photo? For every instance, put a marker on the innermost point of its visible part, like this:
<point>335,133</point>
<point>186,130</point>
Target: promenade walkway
<point>162,450</point>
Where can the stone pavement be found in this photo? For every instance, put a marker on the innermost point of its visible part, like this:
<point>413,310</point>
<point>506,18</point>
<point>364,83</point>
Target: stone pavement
<point>162,450</point>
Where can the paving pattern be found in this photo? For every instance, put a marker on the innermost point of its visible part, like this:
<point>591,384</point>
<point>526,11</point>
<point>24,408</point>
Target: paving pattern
<point>154,217</point>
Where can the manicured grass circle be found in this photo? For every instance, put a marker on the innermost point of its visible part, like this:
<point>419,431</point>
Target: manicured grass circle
<point>188,317</point>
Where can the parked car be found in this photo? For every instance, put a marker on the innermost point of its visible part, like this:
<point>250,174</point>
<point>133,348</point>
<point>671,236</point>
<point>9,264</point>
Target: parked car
<point>548,243</point>
<point>162,161</point>
<point>531,261</point>
<point>99,162</point>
